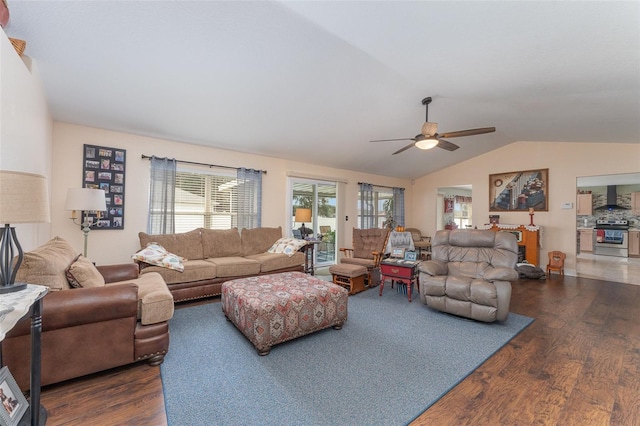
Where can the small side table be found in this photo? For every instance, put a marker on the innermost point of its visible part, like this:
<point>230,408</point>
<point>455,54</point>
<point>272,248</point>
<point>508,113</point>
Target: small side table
<point>309,249</point>
<point>404,271</point>
<point>23,302</point>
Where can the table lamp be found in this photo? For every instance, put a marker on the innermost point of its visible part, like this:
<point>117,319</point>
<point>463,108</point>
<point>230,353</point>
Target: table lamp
<point>24,198</point>
<point>85,200</point>
<point>303,215</point>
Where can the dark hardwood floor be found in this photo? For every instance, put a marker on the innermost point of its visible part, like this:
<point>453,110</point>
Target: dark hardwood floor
<point>577,364</point>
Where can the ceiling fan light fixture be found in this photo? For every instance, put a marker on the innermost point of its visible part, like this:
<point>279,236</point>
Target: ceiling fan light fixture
<point>423,142</point>
<point>429,128</point>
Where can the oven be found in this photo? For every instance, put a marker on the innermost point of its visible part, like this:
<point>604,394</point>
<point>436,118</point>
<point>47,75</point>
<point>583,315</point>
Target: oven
<point>611,237</point>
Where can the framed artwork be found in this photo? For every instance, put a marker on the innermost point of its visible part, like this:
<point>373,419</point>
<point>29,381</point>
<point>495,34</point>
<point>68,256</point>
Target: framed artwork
<point>398,253</point>
<point>104,168</point>
<point>519,191</point>
<point>14,404</point>
<point>410,255</point>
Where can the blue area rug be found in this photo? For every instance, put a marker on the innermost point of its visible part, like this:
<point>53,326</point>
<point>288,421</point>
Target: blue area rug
<point>389,363</point>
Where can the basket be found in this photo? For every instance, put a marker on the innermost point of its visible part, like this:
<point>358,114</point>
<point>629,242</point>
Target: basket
<point>18,44</point>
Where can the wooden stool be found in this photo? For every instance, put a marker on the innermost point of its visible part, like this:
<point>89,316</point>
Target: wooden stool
<point>556,262</point>
<point>349,276</point>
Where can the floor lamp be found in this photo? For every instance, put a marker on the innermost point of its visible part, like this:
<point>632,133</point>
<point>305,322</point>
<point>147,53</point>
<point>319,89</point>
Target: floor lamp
<point>85,200</point>
<point>24,198</point>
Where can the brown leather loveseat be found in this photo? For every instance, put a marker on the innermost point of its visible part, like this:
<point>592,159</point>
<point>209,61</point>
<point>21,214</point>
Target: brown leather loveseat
<point>90,329</point>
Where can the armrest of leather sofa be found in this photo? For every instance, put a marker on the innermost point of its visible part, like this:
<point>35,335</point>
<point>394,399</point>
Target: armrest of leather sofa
<point>433,267</point>
<point>500,274</point>
<point>121,272</point>
<point>75,307</point>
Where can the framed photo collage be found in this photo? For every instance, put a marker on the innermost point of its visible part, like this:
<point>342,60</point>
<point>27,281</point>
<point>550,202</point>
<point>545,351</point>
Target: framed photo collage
<point>104,168</point>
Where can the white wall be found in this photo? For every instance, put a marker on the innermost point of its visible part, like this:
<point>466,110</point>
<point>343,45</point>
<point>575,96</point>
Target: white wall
<point>565,161</point>
<point>117,246</point>
<point>25,129</point>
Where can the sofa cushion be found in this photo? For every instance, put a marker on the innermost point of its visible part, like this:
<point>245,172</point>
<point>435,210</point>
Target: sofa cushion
<point>46,265</point>
<point>83,274</point>
<point>288,246</point>
<point>194,270</point>
<point>235,266</point>
<point>155,302</point>
<point>186,244</point>
<point>221,243</point>
<point>155,254</point>
<point>368,263</point>
<point>259,240</point>
<point>274,261</point>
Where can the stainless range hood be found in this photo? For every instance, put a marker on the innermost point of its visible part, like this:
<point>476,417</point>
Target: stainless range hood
<point>612,200</point>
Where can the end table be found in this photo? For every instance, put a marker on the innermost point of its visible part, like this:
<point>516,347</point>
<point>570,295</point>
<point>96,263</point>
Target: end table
<point>404,271</point>
<point>21,303</point>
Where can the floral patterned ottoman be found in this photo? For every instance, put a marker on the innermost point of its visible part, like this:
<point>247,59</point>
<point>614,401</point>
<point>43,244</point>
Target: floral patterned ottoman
<point>271,309</point>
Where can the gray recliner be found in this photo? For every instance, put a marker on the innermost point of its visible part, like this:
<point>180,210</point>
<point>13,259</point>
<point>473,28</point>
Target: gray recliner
<point>470,273</point>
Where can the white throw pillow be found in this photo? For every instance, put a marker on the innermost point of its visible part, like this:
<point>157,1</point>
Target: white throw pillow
<point>288,246</point>
<point>155,254</point>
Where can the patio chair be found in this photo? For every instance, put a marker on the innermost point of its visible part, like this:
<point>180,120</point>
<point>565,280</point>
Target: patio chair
<point>368,250</point>
<point>326,248</point>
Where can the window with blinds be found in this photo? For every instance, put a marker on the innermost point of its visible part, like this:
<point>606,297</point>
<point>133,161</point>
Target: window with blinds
<point>205,200</point>
<point>381,207</point>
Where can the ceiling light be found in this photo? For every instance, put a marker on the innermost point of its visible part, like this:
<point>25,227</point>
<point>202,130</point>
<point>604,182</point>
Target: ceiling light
<point>424,142</point>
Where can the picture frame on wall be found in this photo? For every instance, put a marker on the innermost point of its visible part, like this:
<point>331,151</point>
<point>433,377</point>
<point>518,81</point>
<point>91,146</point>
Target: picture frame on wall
<point>105,168</point>
<point>13,402</point>
<point>519,191</point>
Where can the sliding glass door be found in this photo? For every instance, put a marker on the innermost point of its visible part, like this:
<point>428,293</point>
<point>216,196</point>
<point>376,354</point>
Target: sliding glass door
<point>320,198</point>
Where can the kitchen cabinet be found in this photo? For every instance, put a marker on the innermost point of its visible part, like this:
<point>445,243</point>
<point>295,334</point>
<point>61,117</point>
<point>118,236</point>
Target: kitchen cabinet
<point>584,205</point>
<point>586,240</point>
<point>635,202</point>
<point>634,243</point>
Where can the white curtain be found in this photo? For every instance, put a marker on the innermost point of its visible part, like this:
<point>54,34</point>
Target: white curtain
<point>249,198</point>
<point>162,196</point>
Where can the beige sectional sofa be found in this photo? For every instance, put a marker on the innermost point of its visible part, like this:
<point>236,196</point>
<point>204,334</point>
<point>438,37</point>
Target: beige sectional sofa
<point>215,256</point>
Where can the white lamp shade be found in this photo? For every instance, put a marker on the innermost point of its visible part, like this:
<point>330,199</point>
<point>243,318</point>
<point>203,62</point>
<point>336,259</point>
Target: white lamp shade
<point>24,198</point>
<point>85,199</point>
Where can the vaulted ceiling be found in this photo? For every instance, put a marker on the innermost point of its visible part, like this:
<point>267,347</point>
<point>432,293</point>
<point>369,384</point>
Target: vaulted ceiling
<point>315,81</point>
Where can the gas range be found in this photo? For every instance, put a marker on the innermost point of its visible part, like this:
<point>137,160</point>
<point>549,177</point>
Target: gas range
<point>613,224</point>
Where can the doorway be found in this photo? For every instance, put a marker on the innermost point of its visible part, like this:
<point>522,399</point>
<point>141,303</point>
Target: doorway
<point>454,207</point>
<point>320,197</point>
<point>595,189</point>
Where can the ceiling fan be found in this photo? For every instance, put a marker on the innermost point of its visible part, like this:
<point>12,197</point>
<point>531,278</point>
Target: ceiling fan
<point>430,138</point>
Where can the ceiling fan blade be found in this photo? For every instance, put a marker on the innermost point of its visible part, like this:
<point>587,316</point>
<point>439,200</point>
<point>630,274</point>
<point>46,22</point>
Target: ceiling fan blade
<point>447,145</point>
<point>404,149</point>
<point>469,132</point>
<point>388,140</point>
